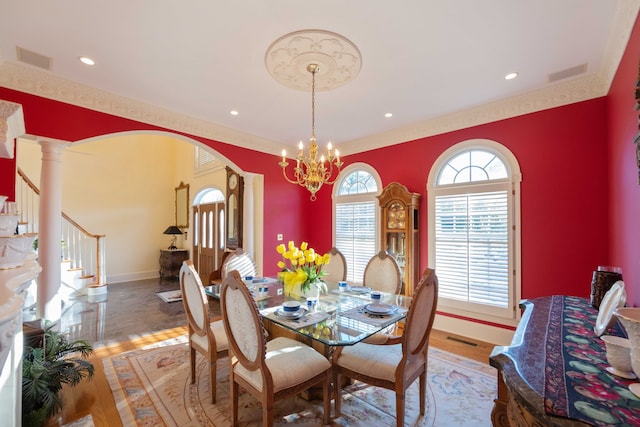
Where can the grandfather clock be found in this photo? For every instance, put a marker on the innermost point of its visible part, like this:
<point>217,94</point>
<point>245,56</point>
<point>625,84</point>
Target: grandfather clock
<point>400,236</point>
<point>235,192</point>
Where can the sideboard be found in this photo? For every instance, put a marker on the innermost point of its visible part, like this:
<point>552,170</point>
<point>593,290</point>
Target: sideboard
<point>554,371</point>
<point>171,261</point>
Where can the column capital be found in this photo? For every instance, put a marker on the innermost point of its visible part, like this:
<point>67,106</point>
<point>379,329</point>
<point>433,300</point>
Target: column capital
<point>11,127</point>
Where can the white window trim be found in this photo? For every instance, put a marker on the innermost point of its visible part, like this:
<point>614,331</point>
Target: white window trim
<point>357,198</point>
<point>515,177</point>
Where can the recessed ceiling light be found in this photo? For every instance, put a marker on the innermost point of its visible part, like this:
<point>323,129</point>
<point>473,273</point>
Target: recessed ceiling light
<point>87,61</point>
<point>233,112</point>
<point>511,76</point>
<point>387,115</point>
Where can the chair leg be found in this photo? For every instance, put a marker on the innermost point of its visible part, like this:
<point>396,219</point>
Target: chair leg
<point>192,360</point>
<point>213,367</point>
<point>423,392</point>
<point>400,408</point>
<point>234,399</point>
<point>337,378</point>
<point>267,413</point>
<point>326,417</point>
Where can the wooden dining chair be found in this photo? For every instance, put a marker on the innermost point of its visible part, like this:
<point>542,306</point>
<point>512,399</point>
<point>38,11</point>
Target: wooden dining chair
<point>336,270</point>
<point>205,337</point>
<point>268,370</point>
<point>382,273</point>
<point>241,261</point>
<point>398,363</point>
<point>216,275</point>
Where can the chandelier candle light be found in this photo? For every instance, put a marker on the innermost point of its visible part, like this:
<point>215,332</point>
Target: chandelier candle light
<point>311,172</point>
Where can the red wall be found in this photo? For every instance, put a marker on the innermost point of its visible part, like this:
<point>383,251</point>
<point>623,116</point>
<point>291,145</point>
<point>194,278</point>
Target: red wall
<point>52,119</point>
<point>624,200</point>
<point>562,155</point>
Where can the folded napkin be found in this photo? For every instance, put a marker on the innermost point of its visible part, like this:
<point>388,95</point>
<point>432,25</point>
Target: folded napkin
<point>311,318</point>
<point>359,314</point>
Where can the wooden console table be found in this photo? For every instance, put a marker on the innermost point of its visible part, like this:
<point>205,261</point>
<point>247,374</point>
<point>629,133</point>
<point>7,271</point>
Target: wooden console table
<point>171,261</point>
<point>549,326</point>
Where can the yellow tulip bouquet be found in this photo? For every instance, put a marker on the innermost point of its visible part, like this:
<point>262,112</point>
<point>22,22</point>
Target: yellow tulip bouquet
<point>301,267</point>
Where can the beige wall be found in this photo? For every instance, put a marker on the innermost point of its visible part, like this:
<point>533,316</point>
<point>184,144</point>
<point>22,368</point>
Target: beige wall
<point>124,187</point>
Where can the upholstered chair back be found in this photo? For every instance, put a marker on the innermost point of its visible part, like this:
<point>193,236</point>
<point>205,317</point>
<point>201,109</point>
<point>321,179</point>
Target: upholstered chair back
<point>194,299</point>
<point>383,274</point>
<point>419,321</point>
<point>336,269</point>
<point>240,261</point>
<point>247,334</point>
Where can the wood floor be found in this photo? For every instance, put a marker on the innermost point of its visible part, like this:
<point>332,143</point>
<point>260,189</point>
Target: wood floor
<point>94,397</point>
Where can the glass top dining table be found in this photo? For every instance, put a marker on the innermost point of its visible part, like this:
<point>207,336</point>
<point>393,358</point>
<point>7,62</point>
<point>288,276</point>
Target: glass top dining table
<point>339,317</point>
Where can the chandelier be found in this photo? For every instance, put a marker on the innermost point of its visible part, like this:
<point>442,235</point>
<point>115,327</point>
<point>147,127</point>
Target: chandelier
<point>311,172</point>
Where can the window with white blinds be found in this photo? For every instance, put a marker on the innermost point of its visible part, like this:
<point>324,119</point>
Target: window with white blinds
<point>472,247</point>
<point>473,230</point>
<point>356,236</point>
<point>356,227</point>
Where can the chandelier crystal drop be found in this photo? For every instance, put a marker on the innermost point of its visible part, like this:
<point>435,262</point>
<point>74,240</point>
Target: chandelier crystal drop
<point>312,172</point>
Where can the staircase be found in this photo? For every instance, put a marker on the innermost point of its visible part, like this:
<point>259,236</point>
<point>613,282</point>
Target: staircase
<point>83,253</point>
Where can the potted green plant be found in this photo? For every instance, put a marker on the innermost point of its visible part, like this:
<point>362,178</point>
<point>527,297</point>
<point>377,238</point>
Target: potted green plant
<point>45,370</point>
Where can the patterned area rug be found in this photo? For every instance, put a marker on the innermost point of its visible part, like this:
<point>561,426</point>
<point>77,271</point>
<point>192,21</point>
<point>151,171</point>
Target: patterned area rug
<point>152,387</point>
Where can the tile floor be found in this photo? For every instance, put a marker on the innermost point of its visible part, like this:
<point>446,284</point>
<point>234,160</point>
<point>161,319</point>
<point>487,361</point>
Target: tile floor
<point>129,310</point>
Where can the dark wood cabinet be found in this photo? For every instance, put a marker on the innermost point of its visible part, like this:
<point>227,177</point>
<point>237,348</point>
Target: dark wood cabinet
<point>171,261</point>
<point>399,235</point>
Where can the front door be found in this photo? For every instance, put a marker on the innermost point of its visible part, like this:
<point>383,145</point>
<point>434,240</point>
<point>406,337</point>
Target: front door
<point>208,241</point>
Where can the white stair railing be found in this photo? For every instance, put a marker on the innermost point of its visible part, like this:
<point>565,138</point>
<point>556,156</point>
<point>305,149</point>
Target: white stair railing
<point>81,250</point>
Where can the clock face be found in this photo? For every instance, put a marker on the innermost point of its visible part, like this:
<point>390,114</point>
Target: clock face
<point>233,181</point>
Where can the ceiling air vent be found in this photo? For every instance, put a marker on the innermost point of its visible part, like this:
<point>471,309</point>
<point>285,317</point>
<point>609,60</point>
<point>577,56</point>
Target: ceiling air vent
<point>33,58</point>
<point>569,72</point>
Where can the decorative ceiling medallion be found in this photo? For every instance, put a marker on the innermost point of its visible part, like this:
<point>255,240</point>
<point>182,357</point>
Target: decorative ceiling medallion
<point>338,59</point>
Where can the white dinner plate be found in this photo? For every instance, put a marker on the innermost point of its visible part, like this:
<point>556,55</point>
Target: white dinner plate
<point>380,308</point>
<point>614,298</point>
<point>622,374</point>
<point>360,289</point>
<point>291,314</point>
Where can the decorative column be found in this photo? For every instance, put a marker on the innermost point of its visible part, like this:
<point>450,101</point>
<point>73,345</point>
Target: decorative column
<point>50,230</point>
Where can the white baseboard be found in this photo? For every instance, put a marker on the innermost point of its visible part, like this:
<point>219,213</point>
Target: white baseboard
<point>477,331</point>
<point>131,277</point>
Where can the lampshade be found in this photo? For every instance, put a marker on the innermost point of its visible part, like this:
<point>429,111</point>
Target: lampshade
<point>173,230</point>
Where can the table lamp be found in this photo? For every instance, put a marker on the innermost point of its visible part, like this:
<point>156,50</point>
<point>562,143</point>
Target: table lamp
<point>174,231</point>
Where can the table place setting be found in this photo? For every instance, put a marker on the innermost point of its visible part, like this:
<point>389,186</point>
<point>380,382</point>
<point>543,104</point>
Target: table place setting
<point>294,315</point>
<point>352,290</point>
<point>376,313</point>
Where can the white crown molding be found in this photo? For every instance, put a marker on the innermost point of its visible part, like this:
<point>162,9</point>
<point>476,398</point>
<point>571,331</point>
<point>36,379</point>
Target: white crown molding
<point>576,90</point>
<point>554,95</point>
<point>36,82</point>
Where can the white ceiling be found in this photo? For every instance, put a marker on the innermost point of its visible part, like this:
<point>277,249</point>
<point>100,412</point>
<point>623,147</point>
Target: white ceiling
<point>436,65</point>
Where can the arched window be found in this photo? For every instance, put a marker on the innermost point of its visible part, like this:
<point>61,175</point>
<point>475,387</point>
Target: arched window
<point>474,229</point>
<point>355,213</point>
